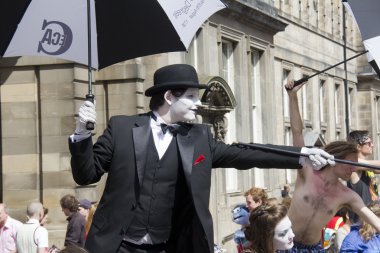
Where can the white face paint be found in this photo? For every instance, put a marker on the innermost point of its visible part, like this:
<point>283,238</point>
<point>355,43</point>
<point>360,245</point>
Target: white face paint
<point>184,108</point>
<point>283,235</point>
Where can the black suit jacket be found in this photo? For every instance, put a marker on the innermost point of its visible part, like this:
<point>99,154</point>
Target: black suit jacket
<point>121,152</point>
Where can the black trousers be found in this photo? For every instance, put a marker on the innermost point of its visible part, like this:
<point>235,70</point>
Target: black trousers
<point>127,247</point>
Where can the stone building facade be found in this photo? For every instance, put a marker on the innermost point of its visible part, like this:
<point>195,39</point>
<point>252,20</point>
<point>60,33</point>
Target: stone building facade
<point>245,53</point>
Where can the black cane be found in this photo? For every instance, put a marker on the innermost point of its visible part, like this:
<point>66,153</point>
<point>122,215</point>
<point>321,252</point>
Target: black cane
<point>298,154</point>
<point>304,79</point>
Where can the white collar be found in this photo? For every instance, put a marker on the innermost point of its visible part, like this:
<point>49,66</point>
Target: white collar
<point>33,221</point>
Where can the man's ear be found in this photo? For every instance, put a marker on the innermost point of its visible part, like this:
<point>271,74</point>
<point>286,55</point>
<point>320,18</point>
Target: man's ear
<point>168,96</point>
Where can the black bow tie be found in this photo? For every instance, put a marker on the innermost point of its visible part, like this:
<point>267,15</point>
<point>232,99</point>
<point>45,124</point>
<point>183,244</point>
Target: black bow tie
<point>165,128</point>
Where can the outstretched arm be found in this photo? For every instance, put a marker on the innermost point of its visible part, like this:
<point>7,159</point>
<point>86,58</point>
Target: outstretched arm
<point>363,211</point>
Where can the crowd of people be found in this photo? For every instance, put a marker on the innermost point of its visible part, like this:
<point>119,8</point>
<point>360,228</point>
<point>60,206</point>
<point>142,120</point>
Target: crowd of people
<point>157,191</point>
<point>159,167</point>
<point>334,209</point>
<point>33,237</point>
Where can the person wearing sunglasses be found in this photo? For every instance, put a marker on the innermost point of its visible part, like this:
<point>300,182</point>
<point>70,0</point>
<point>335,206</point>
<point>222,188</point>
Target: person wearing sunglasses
<point>362,180</point>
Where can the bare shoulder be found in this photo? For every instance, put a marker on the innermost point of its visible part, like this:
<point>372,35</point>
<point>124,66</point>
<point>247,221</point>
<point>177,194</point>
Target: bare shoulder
<point>347,194</point>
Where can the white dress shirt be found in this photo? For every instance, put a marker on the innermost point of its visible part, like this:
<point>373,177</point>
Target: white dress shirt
<point>161,140</point>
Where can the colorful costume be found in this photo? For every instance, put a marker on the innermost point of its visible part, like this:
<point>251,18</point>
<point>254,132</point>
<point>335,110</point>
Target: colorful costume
<point>329,232</point>
<point>240,215</point>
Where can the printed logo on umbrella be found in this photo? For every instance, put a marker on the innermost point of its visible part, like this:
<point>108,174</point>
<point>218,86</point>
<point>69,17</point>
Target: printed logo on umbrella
<point>62,29</point>
<point>57,38</point>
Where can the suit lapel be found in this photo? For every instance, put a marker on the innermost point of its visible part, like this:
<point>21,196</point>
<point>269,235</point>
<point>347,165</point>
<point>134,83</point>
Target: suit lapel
<point>186,150</point>
<point>141,135</point>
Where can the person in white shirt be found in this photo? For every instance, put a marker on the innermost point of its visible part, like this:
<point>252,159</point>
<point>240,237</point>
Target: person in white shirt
<point>8,231</point>
<point>31,236</point>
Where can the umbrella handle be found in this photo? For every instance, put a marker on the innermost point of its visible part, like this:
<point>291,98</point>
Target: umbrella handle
<point>90,125</point>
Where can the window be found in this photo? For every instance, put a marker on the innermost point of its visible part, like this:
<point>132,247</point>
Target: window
<point>228,75</point>
<point>338,106</point>
<point>338,136</point>
<point>255,84</point>
<point>228,62</point>
<point>322,101</point>
<point>285,75</point>
<point>306,101</point>
<point>350,102</point>
<point>288,141</point>
<point>287,136</point>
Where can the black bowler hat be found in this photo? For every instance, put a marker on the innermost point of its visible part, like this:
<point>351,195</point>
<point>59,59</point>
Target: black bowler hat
<point>173,77</point>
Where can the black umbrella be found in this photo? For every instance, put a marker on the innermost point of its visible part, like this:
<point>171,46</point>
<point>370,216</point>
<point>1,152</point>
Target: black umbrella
<point>119,29</point>
<point>366,15</point>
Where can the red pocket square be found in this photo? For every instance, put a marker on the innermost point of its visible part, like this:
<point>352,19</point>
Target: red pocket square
<point>199,159</point>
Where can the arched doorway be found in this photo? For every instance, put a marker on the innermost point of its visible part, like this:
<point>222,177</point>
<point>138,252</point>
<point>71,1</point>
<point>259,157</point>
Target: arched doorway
<point>217,100</point>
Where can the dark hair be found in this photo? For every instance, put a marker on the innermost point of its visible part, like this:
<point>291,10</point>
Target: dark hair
<point>158,99</point>
<point>341,149</point>
<point>70,202</point>
<point>262,223</point>
<point>342,212</point>
<point>358,136</point>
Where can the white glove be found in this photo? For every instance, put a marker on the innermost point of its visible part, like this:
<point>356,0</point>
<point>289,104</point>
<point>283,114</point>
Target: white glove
<point>86,113</point>
<point>318,158</point>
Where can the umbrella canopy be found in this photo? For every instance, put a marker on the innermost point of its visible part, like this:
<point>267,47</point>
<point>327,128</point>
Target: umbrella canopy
<point>367,16</point>
<point>120,29</point>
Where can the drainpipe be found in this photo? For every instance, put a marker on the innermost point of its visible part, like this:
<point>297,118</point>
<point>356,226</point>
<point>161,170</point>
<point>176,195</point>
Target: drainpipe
<point>39,133</point>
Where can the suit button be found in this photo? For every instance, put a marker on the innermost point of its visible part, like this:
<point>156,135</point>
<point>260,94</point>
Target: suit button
<point>134,206</point>
<point>153,196</point>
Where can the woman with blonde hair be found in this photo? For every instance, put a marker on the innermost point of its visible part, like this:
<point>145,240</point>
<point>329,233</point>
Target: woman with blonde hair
<point>87,209</point>
<point>89,217</point>
<point>365,238</point>
<point>270,229</point>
